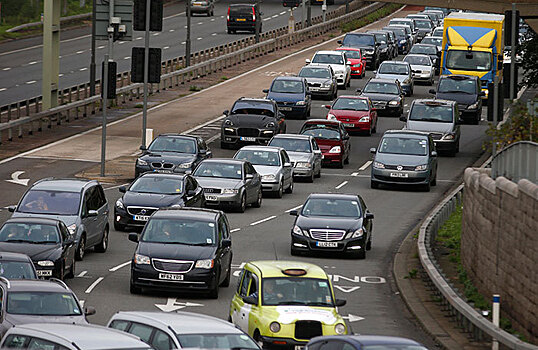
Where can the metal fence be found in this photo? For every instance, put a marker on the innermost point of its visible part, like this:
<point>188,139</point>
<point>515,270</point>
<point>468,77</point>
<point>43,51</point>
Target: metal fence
<point>517,161</point>
<point>468,319</point>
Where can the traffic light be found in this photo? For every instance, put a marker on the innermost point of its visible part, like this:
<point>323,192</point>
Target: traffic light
<point>111,83</point>
<point>137,65</point>
<point>508,27</point>
<point>155,18</point>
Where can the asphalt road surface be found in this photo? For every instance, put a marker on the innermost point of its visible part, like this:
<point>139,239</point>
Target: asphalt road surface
<point>373,304</point>
<point>21,61</point>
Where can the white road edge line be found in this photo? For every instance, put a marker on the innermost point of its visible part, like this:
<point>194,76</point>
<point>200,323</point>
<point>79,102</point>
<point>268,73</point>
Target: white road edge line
<point>82,274</point>
<point>341,185</point>
<point>365,165</point>
<point>235,230</point>
<point>93,285</point>
<point>294,208</point>
<point>116,268</point>
<point>263,220</point>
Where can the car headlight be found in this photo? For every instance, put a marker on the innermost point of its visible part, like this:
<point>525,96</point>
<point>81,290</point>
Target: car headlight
<point>228,122</point>
<point>421,167</point>
<point>340,328</point>
<point>356,234</point>
<point>45,263</point>
<point>297,230</point>
<point>141,162</point>
<point>229,129</point>
<point>303,165</point>
<point>394,103</point>
<point>270,125</point>
<point>269,177</point>
<point>356,65</point>
<point>369,52</point>
<point>406,81</point>
<point>448,137</point>
<point>119,204</point>
<point>327,85</point>
<point>473,106</point>
<point>403,41</point>
<point>331,116</point>
<point>335,149</point>
<point>72,229</point>
<point>141,259</point>
<point>274,327</point>
<point>185,165</point>
<point>379,165</point>
<point>205,264</point>
<point>384,50</point>
<point>364,119</point>
<point>300,103</point>
<point>229,191</point>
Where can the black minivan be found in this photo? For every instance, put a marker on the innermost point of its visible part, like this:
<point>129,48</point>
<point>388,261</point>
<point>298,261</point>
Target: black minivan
<point>243,17</point>
<point>466,91</point>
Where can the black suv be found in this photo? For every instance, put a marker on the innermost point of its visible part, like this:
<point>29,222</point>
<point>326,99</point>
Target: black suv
<point>466,91</point>
<point>243,17</point>
<point>367,43</point>
<point>251,120</point>
<point>184,249</point>
<point>46,241</point>
<point>172,153</point>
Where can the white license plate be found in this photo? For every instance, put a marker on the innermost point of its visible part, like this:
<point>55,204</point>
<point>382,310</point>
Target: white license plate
<point>211,198</point>
<point>327,244</point>
<point>247,138</point>
<point>349,125</point>
<point>399,175</point>
<point>286,108</point>
<point>44,273</point>
<point>314,89</point>
<point>141,217</point>
<point>170,276</point>
<point>163,171</point>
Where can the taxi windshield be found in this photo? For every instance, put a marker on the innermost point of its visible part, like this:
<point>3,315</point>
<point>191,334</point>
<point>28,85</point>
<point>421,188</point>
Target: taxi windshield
<point>216,341</point>
<point>296,291</point>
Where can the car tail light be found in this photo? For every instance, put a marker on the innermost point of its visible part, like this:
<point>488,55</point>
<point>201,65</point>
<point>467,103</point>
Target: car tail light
<point>228,15</point>
<point>254,14</point>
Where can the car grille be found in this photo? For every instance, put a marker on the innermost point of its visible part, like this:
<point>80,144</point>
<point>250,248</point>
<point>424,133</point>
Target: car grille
<point>248,132</point>
<point>327,235</point>
<point>141,210</point>
<point>286,103</point>
<point>379,104</point>
<point>314,84</point>
<point>211,190</point>
<point>172,265</point>
<point>395,167</point>
<point>162,165</point>
<point>436,136</point>
<point>307,329</point>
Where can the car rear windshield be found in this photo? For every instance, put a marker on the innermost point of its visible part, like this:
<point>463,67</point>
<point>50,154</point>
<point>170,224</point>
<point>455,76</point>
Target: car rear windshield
<point>437,32</point>
<point>17,270</point>
<point>313,72</point>
<point>465,86</point>
<point>42,304</point>
<point>173,144</point>
<point>296,291</point>
<point>179,231</point>
<point>418,60</point>
<point>381,38</point>
<point>269,158</point>
<point>287,86</point>
<point>216,341</point>
<point>404,145</point>
<point>423,24</point>
<point>331,207</point>
<point>432,113</point>
<point>321,131</point>
<point>241,10</point>
<point>432,41</point>
<point>292,145</point>
<point>325,58</point>
<point>227,171</point>
<point>393,68</point>
<point>350,104</point>
<point>157,184</point>
<point>400,32</point>
<point>381,88</point>
<point>423,50</point>
<point>29,233</point>
<point>50,202</point>
<point>354,40</point>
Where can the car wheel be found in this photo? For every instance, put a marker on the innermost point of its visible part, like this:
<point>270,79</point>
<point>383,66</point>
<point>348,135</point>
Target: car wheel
<point>258,202</point>
<point>71,273</point>
<point>134,289</point>
<point>458,147</point>
<point>369,244</point>
<point>434,180</point>
<point>226,282</point>
<point>374,130</point>
<point>346,161</point>
<point>348,82</point>
<point>340,164</point>
<point>258,339</point>
<point>293,252</point>
<point>118,226</point>
<point>374,184</point>
<point>426,187</point>
<point>311,177</point>
<point>280,192</point>
<point>243,204</point>
<point>369,132</point>
<point>103,245</point>
<point>214,292</point>
<point>61,273</point>
<point>290,187</point>
<point>318,175</point>
<point>81,249</point>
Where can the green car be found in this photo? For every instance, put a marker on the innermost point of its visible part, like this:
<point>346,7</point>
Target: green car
<point>297,303</point>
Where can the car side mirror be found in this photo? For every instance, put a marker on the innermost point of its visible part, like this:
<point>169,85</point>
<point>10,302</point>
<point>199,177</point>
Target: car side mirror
<point>252,300</point>
<point>403,119</point>
<point>294,213</point>
<point>377,44</point>
<point>12,208</point>
<point>345,137</point>
<point>143,148</point>
<point>188,171</point>
<point>287,165</point>
<point>482,93</point>
<point>69,240</point>
<point>133,237</point>
<point>432,91</point>
<point>438,54</point>
<point>340,302</point>
<point>339,42</point>
<point>358,91</point>
<point>317,151</point>
<point>373,150</point>
<point>89,310</point>
<point>226,243</point>
<point>92,213</point>
<point>327,106</point>
<point>433,154</point>
<point>307,61</point>
<point>122,189</point>
<point>226,112</point>
<point>369,216</point>
<point>265,91</point>
<point>375,71</point>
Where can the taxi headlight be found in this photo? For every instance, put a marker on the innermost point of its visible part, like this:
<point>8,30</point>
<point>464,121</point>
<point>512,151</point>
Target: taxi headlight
<point>141,259</point>
<point>297,230</point>
<point>394,103</point>
<point>45,263</point>
<point>141,162</point>
<point>331,116</point>
<point>119,204</point>
<point>303,165</point>
<point>335,149</point>
<point>269,177</point>
<point>356,234</point>
<point>229,191</point>
<point>340,328</point>
<point>274,327</point>
<point>205,264</point>
<point>421,167</point>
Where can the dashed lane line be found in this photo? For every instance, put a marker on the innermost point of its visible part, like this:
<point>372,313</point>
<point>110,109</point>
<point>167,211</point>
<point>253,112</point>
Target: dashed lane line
<point>365,165</point>
<point>82,274</point>
<point>294,208</point>
<point>235,230</point>
<point>83,69</point>
<point>93,285</point>
<point>3,89</point>
<point>116,268</point>
<point>31,82</point>
<point>6,69</point>
<point>341,185</point>
<point>263,220</point>
<point>354,174</point>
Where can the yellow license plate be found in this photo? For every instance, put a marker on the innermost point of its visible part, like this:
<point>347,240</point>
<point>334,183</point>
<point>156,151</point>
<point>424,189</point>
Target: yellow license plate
<point>240,20</point>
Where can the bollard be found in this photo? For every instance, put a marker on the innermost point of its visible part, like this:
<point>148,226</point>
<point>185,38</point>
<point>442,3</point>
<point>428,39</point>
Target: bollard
<point>291,22</point>
<point>495,318</point>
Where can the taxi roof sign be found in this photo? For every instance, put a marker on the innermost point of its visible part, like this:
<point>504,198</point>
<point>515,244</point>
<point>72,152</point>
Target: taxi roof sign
<point>294,272</point>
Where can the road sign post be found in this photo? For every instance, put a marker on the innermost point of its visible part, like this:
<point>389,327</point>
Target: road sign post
<point>188,40</point>
<point>324,9</point>
<point>51,53</point>
<point>258,23</point>
<point>92,60</point>
<point>513,45</point>
<point>146,73</point>
<point>309,13</point>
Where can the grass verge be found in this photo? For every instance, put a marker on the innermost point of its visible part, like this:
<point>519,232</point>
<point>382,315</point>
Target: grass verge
<point>372,17</point>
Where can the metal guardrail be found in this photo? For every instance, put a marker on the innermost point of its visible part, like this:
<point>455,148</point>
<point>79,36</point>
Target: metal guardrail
<point>468,318</point>
<point>517,161</point>
<point>40,24</point>
<point>26,122</point>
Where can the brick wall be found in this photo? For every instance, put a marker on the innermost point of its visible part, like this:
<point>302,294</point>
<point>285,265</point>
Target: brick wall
<point>499,245</point>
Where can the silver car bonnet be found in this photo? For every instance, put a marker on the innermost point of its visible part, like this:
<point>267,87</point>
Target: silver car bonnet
<point>300,156</point>
<point>219,182</point>
<point>429,126</point>
<point>267,169</point>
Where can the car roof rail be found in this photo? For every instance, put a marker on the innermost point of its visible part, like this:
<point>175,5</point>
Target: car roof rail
<point>44,179</point>
<point>6,281</point>
<point>59,281</point>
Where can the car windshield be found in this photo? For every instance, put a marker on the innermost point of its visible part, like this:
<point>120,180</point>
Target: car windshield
<point>216,341</point>
<point>227,171</point>
<point>438,32</point>
<point>431,113</point>
<point>287,86</point>
<point>393,68</point>
<point>312,72</point>
<point>296,291</point>
<point>393,347</point>
<point>423,24</point>
<point>381,38</point>
<point>351,104</point>
<point>423,50</point>
<point>328,58</point>
<point>17,270</point>
<point>157,184</point>
<point>381,88</point>
<point>29,233</point>
<point>50,202</point>
<point>292,145</point>
<point>353,54</point>
<point>179,231</point>
<point>354,40</point>
<point>321,131</point>
<point>331,207</point>
<point>466,86</point>
<point>42,304</point>
<point>269,158</point>
<point>464,60</point>
<point>401,22</point>
<point>432,41</point>
<point>404,145</point>
<point>418,60</point>
<point>400,32</point>
<point>173,144</point>
<point>247,107</point>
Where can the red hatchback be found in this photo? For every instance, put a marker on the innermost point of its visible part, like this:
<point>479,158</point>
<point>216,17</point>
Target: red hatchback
<point>332,138</point>
<point>358,62</point>
<point>356,113</point>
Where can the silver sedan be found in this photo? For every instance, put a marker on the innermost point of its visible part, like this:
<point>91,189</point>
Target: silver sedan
<point>422,66</point>
<point>304,152</point>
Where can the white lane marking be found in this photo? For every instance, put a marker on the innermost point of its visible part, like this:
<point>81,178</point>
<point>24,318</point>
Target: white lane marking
<point>122,42</point>
<point>365,165</point>
<point>198,38</point>
<point>266,19</point>
<point>127,57</point>
<point>139,38</point>
<point>263,220</point>
<point>101,47</point>
<point>354,174</point>
<point>7,68</point>
<point>61,158</point>
<point>113,187</point>
<point>213,138</point>
<point>166,47</point>
<point>295,208</point>
<point>82,274</point>
<point>172,30</point>
<point>283,12</point>
<point>79,52</point>
<point>116,268</point>
<point>83,69</point>
<point>214,34</point>
<point>93,285</point>
<point>155,34</point>
<point>235,230</point>
<point>221,16</point>
<point>2,89</point>
<point>200,22</point>
<point>212,20</point>
<point>183,43</point>
<point>30,82</point>
<point>184,27</point>
<point>32,63</point>
<point>61,75</point>
<point>275,16</point>
<point>341,185</point>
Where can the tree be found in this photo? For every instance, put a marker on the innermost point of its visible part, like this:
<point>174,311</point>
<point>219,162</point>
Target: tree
<point>529,63</point>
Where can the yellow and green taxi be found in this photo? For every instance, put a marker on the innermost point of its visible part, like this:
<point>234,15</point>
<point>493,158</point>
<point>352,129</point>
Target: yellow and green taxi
<point>296,303</point>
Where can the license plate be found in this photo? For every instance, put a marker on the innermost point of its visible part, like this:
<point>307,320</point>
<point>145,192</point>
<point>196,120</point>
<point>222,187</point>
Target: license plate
<point>298,347</point>
<point>286,108</point>
<point>195,4</point>
<point>44,273</point>
<point>349,125</point>
<point>247,138</point>
<point>141,217</point>
<point>327,244</point>
<point>211,198</point>
<point>163,171</point>
<point>170,276</point>
<point>240,20</point>
<point>399,175</point>
<point>314,89</point>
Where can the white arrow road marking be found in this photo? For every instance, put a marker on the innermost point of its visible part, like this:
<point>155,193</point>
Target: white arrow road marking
<point>173,305</point>
<point>352,318</point>
<point>15,178</point>
<point>347,289</point>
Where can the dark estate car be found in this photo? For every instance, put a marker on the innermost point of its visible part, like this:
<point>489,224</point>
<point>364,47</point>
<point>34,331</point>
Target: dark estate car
<point>172,153</point>
<point>151,192</point>
<point>333,223</point>
<point>251,121</point>
<point>81,204</point>
<point>46,241</point>
<point>363,342</point>
<point>368,45</point>
<point>17,266</point>
<point>242,17</point>
<point>332,138</point>
<point>291,95</point>
<point>386,95</point>
<point>183,249</point>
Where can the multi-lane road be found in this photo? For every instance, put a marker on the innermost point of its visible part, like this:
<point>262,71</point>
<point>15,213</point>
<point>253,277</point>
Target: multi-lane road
<point>21,61</point>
